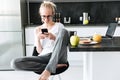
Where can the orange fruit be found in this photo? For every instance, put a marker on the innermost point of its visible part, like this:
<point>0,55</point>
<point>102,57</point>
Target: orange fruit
<point>97,38</point>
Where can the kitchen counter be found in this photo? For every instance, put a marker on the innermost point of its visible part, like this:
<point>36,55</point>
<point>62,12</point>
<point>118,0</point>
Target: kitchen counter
<point>106,45</point>
<point>100,61</point>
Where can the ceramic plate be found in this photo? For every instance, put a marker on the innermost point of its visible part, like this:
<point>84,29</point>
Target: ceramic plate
<point>88,43</point>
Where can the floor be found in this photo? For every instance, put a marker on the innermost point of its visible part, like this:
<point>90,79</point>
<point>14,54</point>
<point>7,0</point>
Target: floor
<point>73,73</point>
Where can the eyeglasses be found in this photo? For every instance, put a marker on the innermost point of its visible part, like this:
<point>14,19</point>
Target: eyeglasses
<point>48,17</point>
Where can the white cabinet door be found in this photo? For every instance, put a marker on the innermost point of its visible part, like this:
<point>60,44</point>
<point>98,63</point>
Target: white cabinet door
<point>106,66</point>
<point>1,6</point>
<point>10,23</point>
<point>29,35</point>
<point>75,58</point>
<point>10,47</point>
<point>10,7</point>
<point>29,39</point>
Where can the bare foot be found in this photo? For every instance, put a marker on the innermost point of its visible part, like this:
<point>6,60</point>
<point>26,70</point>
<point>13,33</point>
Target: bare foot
<point>45,75</point>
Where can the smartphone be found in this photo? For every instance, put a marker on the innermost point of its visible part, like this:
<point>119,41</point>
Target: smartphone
<point>44,30</point>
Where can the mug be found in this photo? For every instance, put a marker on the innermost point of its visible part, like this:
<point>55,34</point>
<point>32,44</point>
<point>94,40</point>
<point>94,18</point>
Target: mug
<point>73,33</point>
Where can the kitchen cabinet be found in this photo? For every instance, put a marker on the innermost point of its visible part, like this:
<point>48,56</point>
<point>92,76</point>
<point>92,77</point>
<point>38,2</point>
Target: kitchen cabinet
<point>73,0</point>
<point>10,23</point>
<point>29,39</point>
<point>10,47</point>
<point>10,7</point>
<point>11,32</point>
<point>105,65</point>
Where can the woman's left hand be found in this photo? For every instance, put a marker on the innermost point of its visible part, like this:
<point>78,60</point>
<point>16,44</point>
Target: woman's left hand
<point>51,36</point>
<point>45,75</point>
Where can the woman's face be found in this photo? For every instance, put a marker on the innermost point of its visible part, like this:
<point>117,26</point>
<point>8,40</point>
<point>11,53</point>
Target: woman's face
<point>46,15</point>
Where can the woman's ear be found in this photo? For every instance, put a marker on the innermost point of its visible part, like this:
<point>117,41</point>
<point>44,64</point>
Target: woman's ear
<point>42,20</point>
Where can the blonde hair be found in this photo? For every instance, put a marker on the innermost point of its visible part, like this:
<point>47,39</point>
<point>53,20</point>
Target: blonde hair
<point>48,4</point>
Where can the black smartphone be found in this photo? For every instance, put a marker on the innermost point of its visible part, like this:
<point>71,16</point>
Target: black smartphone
<point>44,30</point>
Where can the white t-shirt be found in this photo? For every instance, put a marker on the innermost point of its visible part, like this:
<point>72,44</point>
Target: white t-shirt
<point>48,44</point>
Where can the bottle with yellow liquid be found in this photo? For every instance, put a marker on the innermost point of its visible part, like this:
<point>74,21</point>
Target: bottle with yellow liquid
<point>85,22</point>
<point>86,18</point>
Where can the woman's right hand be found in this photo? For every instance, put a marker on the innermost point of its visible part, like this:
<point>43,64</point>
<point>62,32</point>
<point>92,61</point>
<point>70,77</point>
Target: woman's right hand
<point>40,35</point>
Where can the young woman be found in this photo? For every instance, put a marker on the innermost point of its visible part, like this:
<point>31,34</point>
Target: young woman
<point>49,56</point>
<point>45,42</point>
